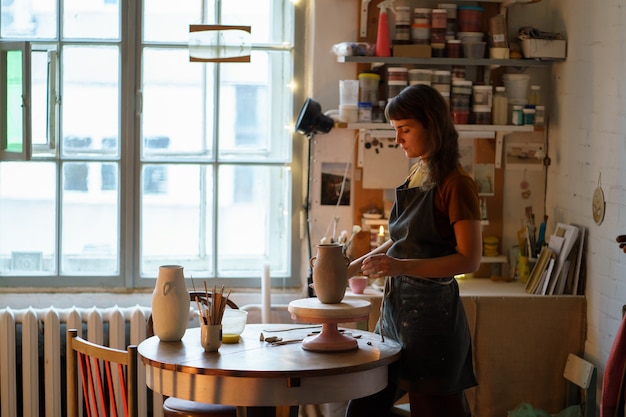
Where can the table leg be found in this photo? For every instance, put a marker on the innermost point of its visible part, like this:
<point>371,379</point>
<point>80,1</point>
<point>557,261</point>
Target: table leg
<point>278,411</point>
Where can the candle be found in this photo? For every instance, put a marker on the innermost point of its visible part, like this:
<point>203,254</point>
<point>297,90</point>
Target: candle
<point>266,300</point>
<point>381,235</point>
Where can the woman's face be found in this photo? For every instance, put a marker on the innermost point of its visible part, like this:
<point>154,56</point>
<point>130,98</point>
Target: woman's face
<point>411,135</point>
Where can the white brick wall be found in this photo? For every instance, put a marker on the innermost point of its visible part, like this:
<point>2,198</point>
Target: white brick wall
<point>587,139</point>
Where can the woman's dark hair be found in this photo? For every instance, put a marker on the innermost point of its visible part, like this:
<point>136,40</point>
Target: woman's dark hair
<point>424,103</point>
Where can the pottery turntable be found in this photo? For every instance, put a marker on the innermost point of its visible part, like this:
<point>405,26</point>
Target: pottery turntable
<point>330,339</point>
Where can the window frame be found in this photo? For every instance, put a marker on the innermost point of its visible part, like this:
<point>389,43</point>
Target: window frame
<point>130,163</point>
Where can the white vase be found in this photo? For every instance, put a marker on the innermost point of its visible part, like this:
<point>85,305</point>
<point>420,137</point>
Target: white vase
<point>170,304</point>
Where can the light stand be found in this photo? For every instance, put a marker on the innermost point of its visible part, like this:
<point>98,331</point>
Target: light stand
<point>310,121</point>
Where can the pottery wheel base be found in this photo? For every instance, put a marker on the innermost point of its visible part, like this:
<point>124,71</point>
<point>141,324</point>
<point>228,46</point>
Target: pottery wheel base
<point>311,310</point>
<point>330,340</point>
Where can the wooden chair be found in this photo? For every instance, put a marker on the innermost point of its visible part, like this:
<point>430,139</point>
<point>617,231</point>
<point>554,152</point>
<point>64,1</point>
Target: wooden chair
<point>108,378</point>
<point>176,407</point>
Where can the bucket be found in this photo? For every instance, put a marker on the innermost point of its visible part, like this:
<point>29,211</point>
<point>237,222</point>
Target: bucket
<point>516,87</point>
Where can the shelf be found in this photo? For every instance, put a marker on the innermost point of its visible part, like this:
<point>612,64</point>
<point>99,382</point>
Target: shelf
<point>461,128</point>
<point>448,61</point>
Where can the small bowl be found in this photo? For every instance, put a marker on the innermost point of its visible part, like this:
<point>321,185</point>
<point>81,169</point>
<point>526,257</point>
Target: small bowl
<point>233,324</point>
<point>358,284</point>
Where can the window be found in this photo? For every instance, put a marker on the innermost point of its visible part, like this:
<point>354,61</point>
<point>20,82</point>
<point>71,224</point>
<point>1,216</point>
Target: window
<point>139,157</point>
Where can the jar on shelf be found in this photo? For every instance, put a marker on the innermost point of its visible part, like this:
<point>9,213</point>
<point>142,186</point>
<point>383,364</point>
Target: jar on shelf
<point>395,87</point>
<point>398,74</point>
<point>529,116</point>
<point>517,116</point>
<point>460,101</point>
<point>482,115</point>
<point>500,106</point>
<point>420,33</point>
<point>420,76</point>
<point>540,116</point>
<point>453,48</point>
<point>534,96</point>
<point>439,19</point>
<point>482,95</point>
<point>368,87</point>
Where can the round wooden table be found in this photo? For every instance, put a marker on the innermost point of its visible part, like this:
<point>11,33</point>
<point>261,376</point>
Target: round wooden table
<point>262,375</point>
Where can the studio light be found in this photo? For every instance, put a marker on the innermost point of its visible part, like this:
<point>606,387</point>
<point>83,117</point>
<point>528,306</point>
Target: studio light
<point>310,121</point>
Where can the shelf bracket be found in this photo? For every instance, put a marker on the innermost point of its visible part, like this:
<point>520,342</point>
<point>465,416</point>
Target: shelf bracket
<point>364,4</point>
<point>499,147</point>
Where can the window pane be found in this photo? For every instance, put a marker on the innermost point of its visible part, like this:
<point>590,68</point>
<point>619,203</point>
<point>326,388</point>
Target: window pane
<point>22,19</point>
<point>176,218</point>
<point>262,15</point>
<point>253,108</point>
<point>253,219</point>
<point>177,104</point>
<point>162,22</point>
<point>91,19</point>
<point>90,218</point>
<point>40,100</point>
<point>90,100</point>
<point>14,107</point>
<point>27,219</point>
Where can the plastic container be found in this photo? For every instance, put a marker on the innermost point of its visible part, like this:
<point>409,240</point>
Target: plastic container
<point>422,15</point>
<point>368,87</point>
<point>439,19</point>
<point>450,9</point>
<point>529,116</point>
<point>420,33</point>
<point>402,35</point>
<point>453,48</point>
<point>438,36</point>
<point>470,18</point>
<point>534,96</point>
<point>395,87</point>
<point>441,77</point>
<point>517,116</point>
<point>463,87</point>
<point>421,75</point>
<point>516,87</point>
<point>474,50</point>
<point>470,36</point>
<point>397,74</point>
<point>403,15</point>
<point>482,95</point>
<point>348,113</point>
<point>442,88</point>
<point>540,116</point>
<point>482,115</point>
<point>500,113</point>
<point>365,111</point>
<point>348,92</point>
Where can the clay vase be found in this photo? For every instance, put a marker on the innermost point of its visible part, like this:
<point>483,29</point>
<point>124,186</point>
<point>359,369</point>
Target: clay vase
<point>330,273</point>
<point>170,304</point>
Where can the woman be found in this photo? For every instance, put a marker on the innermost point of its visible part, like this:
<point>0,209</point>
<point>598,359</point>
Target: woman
<point>434,229</point>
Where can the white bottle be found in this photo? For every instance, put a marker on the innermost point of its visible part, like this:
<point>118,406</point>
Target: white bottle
<point>500,107</point>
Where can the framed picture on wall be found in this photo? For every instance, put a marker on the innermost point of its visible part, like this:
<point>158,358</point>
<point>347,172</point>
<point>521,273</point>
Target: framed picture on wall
<point>484,175</point>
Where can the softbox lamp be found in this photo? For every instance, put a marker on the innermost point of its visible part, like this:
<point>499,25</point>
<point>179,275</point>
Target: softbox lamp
<point>312,120</point>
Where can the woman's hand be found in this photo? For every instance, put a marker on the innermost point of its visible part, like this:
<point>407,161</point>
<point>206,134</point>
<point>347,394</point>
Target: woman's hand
<point>380,265</point>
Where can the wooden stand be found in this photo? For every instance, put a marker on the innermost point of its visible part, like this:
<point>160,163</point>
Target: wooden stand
<point>311,310</point>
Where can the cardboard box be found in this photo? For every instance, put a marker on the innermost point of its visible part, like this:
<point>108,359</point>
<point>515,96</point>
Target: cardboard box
<point>412,51</point>
<point>544,48</point>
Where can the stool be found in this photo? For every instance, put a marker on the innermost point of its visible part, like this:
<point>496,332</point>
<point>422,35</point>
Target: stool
<point>175,407</point>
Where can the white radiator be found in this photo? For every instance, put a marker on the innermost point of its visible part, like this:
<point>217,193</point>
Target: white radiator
<point>49,325</point>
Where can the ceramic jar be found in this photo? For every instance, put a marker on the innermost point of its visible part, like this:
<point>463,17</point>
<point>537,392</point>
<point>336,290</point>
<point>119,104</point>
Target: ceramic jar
<point>330,273</point>
<point>170,304</point>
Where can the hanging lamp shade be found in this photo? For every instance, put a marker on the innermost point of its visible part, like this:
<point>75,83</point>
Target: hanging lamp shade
<point>219,43</point>
<point>312,120</point>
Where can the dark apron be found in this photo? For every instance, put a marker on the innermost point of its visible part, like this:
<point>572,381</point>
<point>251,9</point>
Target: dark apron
<point>425,315</point>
